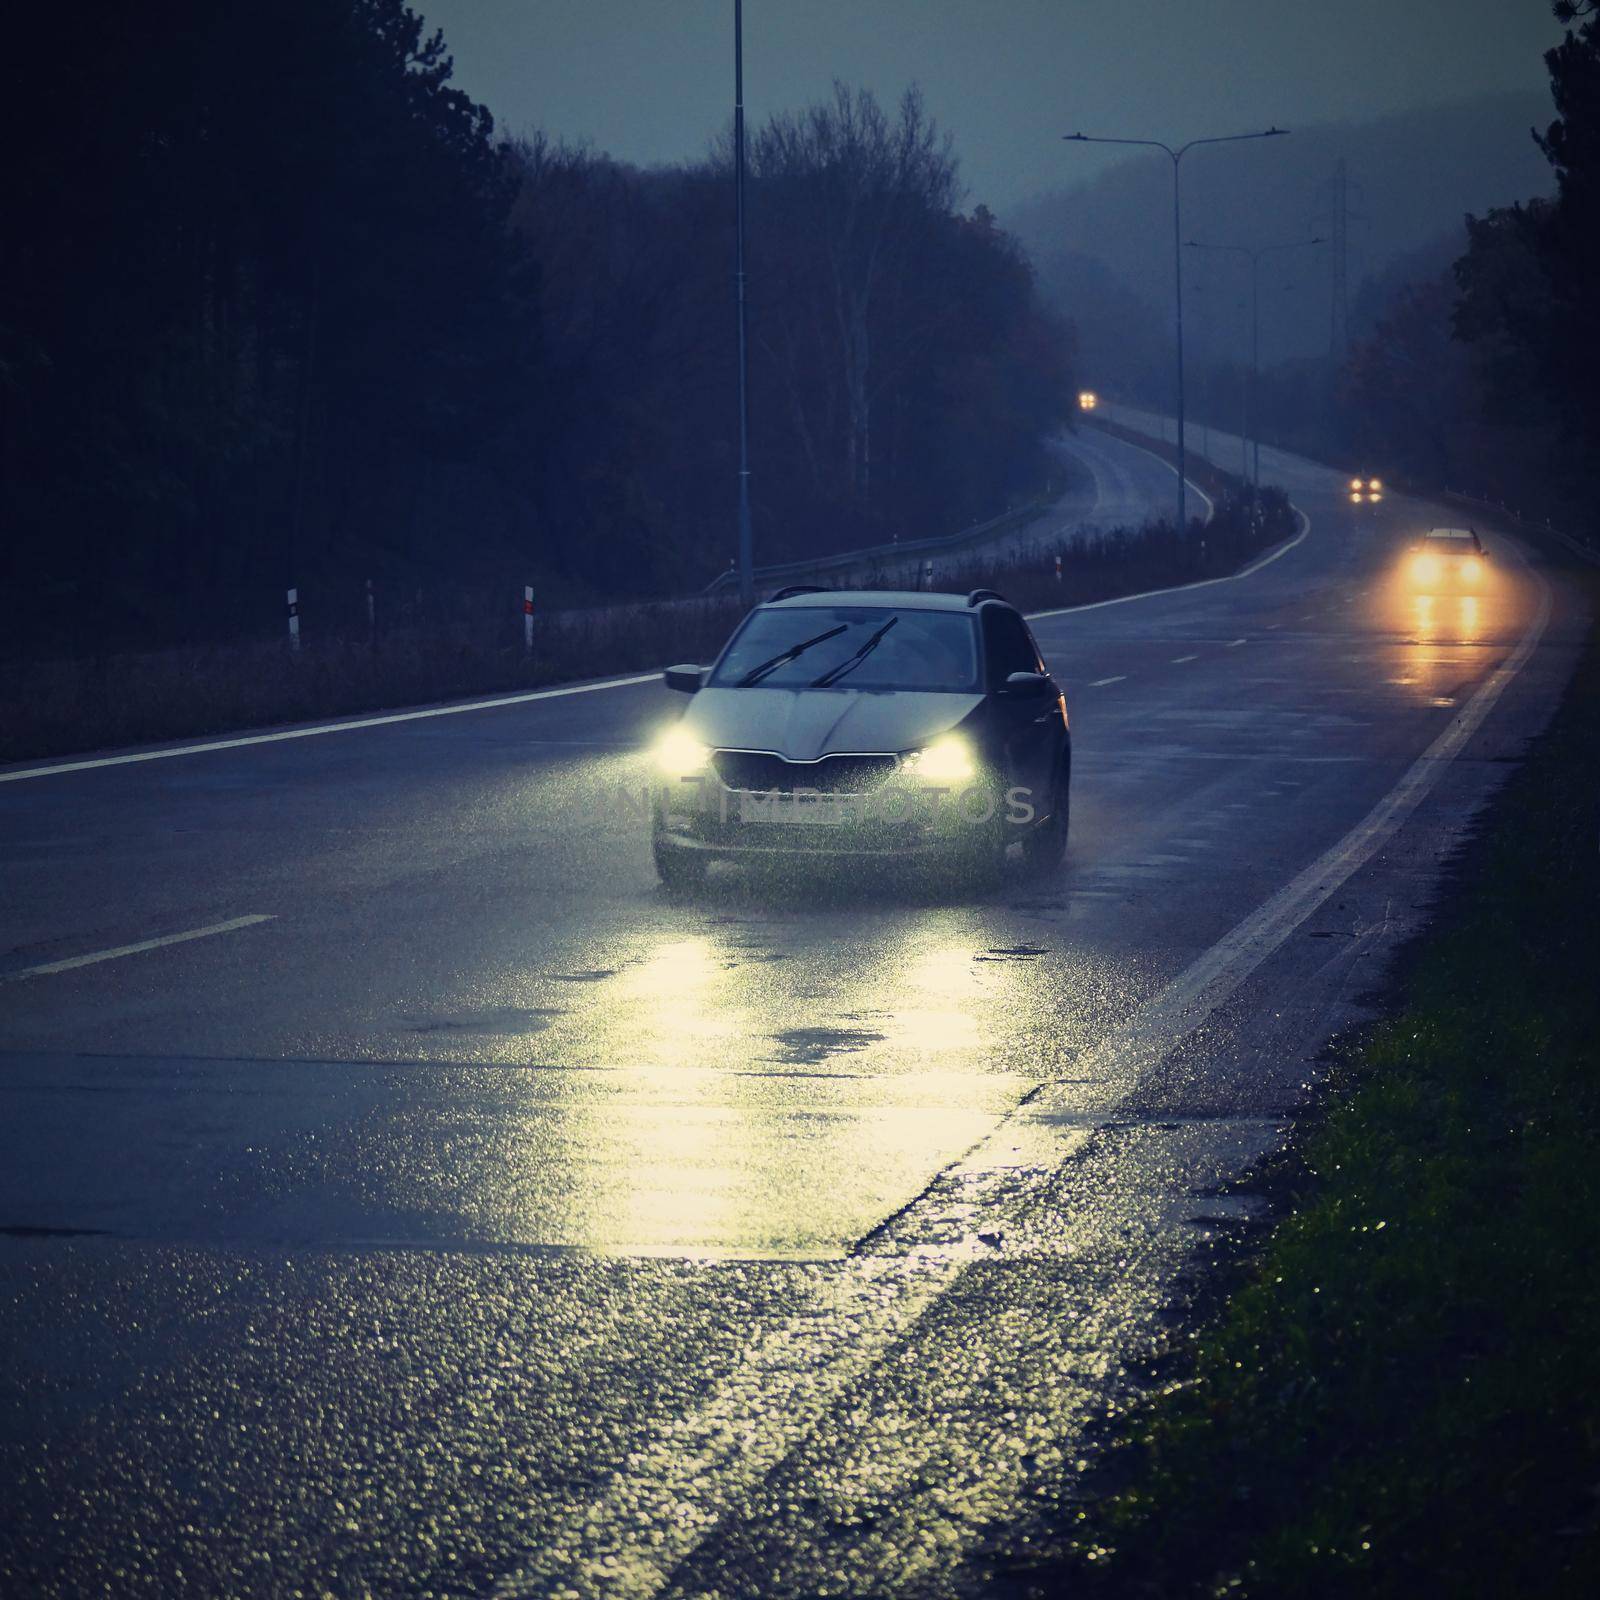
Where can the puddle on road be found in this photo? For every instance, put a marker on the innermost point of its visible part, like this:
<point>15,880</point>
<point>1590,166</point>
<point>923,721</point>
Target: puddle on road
<point>811,1046</point>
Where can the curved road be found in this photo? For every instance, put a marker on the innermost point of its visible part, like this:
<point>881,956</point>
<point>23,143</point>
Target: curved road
<point>1118,484</point>
<point>482,1221</point>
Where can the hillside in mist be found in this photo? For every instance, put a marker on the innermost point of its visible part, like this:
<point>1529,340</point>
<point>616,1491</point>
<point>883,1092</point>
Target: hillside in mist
<point>1103,248</point>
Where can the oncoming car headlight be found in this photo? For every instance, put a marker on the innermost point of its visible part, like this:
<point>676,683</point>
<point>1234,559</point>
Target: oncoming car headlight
<point>1425,565</point>
<point>947,760</point>
<point>679,754</point>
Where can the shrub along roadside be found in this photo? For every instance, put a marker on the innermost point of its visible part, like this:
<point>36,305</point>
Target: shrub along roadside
<point>1399,1393</point>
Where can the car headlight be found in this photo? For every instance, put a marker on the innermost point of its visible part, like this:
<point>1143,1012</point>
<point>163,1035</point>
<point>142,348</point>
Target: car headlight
<point>1425,565</point>
<point>1355,494</point>
<point>946,760</point>
<point>1357,483</point>
<point>679,754</point>
<point>1375,485</point>
<point>1472,568</point>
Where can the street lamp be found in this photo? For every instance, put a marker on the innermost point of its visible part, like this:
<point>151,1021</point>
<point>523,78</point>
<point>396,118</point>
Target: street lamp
<point>1254,257</point>
<point>747,580</point>
<point>1176,157</point>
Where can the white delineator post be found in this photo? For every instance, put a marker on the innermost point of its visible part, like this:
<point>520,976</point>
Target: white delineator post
<point>927,574</point>
<point>1058,567</point>
<point>527,618</point>
<point>372,610</point>
<point>293,599</point>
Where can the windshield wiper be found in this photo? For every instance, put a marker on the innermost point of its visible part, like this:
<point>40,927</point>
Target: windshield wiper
<point>834,674</point>
<point>756,674</point>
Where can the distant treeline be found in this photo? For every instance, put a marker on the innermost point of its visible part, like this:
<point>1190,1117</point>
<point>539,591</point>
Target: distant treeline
<point>278,308</point>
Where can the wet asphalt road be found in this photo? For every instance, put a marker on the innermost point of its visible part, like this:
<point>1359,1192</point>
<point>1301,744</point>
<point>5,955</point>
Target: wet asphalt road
<point>486,1221</point>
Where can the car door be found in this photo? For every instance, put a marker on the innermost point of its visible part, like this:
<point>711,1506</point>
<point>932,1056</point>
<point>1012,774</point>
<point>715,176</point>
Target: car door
<point>1023,721</point>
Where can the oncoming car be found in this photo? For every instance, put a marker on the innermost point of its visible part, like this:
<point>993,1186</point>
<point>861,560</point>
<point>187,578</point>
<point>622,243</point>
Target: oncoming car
<point>866,723</point>
<point>1447,555</point>
<point>1368,489</point>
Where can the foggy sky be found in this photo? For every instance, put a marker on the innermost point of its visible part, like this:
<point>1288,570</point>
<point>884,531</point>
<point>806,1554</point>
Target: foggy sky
<point>650,80</point>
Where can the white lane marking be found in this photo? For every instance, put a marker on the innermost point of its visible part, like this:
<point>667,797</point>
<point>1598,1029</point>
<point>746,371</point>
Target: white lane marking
<point>1233,644</point>
<point>627,1541</point>
<point>1100,683</point>
<point>1187,1002</point>
<point>1179,588</point>
<point>134,949</point>
<point>1211,505</point>
<point>325,727</point>
<point>1178,661</point>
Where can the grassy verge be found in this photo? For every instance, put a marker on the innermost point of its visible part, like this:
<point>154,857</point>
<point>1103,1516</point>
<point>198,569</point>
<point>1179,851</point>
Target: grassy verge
<point>1399,1393</point>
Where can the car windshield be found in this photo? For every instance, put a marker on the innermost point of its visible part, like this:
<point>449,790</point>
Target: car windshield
<point>859,647</point>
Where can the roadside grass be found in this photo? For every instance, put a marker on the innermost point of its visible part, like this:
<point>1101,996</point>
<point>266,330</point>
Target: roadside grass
<point>58,707</point>
<point>1398,1393</point>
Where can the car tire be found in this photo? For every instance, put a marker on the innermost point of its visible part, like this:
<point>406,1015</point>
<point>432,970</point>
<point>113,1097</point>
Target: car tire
<point>1045,845</point>
<point>679,870</point>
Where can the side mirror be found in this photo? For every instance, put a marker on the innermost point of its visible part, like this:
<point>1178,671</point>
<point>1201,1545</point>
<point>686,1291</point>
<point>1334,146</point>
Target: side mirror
<point>685,679</point>
<point>1027,685</point>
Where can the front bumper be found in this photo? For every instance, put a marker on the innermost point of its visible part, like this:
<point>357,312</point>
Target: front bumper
<point>708,818</point>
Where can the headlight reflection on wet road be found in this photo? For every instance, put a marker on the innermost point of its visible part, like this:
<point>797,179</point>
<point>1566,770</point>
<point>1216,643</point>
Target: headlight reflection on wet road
<point>757,1094</point>
<point>1440,630</point>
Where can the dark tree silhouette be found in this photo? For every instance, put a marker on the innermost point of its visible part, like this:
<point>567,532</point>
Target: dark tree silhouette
<point>276,308</point>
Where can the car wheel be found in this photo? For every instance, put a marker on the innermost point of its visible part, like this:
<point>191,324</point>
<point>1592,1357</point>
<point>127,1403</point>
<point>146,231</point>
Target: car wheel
<point>679,870</point>
<point>1045,845</point>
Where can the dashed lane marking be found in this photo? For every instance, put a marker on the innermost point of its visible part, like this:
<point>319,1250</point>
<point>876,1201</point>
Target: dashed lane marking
<point>47,967</point>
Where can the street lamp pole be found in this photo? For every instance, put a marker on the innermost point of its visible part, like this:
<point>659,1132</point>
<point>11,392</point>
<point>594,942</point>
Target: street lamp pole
<point>1176,157</point>
<point>1254,257</point>
<point>747,587</point>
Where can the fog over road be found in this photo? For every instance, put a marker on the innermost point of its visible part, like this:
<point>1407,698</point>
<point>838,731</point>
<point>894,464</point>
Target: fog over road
<point>484,1220</point>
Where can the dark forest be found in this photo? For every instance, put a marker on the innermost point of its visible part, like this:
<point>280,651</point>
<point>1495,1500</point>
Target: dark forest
<point>279,307</point>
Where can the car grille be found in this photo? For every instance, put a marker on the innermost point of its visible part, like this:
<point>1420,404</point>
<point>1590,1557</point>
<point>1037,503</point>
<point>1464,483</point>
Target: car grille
<point>769,774</point>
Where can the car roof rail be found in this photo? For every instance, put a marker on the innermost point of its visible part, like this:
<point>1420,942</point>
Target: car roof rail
<point>978,596</point>
<point>798,588</point>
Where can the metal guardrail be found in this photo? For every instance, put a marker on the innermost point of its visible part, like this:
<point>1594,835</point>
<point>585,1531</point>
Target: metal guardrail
<point>1584,552</point>
<point>1019,516</point>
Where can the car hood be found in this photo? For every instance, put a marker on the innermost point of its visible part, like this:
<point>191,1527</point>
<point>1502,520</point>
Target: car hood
<point>804,724</point>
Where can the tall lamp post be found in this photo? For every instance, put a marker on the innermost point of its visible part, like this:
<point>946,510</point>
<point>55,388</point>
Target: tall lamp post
<point>1254,257</point>
<point>1176,157</point>
<point>747,580</point>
